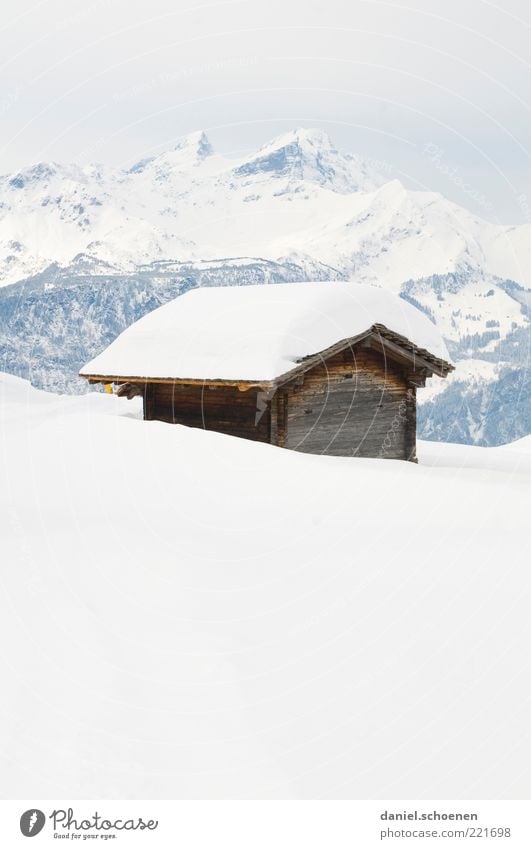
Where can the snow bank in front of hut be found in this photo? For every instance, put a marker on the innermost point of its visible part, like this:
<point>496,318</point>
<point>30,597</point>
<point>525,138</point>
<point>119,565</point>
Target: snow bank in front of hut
<point>256,332</point>
<point>188,615</point>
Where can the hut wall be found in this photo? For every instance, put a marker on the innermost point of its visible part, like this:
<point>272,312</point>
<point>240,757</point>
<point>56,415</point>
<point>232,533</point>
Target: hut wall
<point>226,410</point>
<point>355,404</point>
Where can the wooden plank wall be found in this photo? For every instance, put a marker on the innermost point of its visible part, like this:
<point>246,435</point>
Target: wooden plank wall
<point>226,410</point>
<point>354,405</point>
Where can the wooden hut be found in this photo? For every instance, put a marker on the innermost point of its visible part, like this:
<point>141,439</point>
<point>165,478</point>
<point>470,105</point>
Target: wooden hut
<point>325,368</point>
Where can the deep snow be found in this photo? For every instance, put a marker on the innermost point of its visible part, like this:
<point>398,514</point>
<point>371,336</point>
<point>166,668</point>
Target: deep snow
<point>185,614</point>
<point>257,332</point>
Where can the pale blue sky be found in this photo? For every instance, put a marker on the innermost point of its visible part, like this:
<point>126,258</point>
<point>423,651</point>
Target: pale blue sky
<point>441,91</point>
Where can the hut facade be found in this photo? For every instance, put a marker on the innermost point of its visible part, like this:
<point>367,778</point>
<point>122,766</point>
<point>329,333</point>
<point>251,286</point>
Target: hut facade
<point>325,368</point>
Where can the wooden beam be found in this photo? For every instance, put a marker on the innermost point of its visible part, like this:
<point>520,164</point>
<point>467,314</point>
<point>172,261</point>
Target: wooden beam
<point>242,385</point>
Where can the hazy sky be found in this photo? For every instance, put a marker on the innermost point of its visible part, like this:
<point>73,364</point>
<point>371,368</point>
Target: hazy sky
<point>440,92</point>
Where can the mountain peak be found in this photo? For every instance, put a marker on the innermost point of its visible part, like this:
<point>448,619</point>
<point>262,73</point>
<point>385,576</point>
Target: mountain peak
<point>308,154</point>
<point>190,150</point>
<point>302,137</point>
<point>197,142</point>
<point>41,174</point>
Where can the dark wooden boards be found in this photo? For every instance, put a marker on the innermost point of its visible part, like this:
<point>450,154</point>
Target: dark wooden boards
<point>227,410</point>
<point>354,404</point>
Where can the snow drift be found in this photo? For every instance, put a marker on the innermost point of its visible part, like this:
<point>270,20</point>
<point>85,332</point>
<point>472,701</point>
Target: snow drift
<point>188,615</point>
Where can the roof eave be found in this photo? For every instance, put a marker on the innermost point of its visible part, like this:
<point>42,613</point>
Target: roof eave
<point>118,379</point>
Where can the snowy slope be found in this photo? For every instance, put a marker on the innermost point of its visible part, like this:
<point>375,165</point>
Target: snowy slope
<point>224,619</point>
<point>257,332</point>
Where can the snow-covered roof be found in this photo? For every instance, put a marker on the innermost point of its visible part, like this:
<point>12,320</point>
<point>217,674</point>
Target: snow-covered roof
<point>256,333</point>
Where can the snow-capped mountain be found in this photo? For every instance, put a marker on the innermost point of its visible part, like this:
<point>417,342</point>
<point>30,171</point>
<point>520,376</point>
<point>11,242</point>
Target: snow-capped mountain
<point>185,204</point>
<point>73,238</point>
<point>297,197</point>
